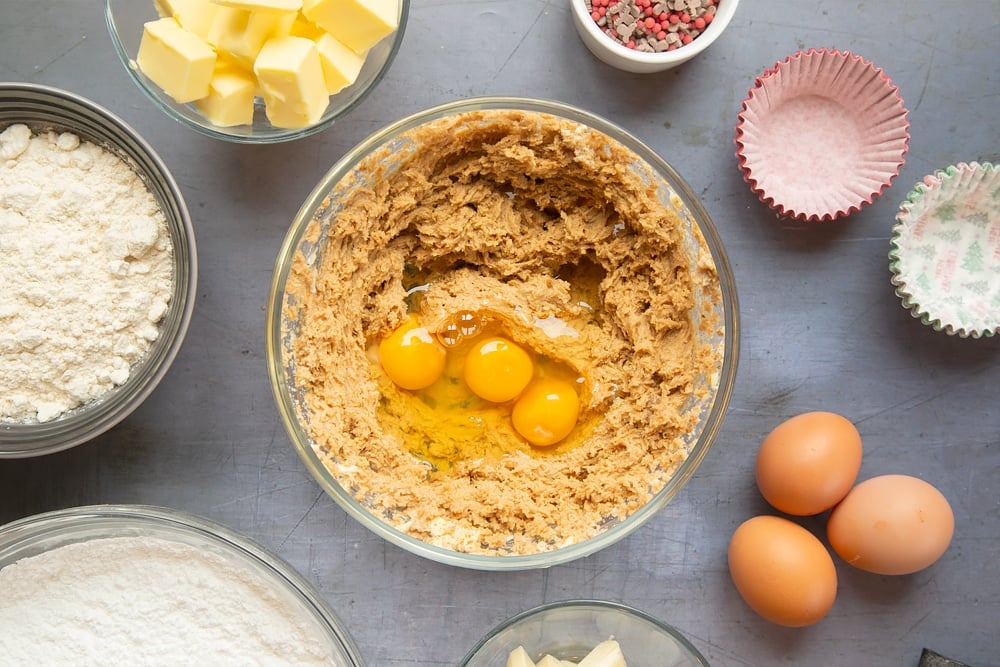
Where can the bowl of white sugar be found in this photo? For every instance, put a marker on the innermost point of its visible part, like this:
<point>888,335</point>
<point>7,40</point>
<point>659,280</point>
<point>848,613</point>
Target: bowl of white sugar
<point>109,584</point>
<point>99,270</point>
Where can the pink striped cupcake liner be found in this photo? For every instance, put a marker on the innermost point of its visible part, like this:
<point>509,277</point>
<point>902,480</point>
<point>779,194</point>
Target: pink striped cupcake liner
<point>821,134</point>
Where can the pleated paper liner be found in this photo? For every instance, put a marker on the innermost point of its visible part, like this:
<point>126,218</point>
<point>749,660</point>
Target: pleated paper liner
<point>821,134</point>
<point>945,250</point>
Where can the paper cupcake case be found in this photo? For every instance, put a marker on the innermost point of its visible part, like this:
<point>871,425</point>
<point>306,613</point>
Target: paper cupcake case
<point>821,134</point>
<point>945,250</point>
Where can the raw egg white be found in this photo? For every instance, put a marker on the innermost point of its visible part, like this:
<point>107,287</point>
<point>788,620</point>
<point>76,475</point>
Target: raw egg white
<point>472,391</point>
<point>893,524</point>
<point>808,463</point>
<point>782,571</point>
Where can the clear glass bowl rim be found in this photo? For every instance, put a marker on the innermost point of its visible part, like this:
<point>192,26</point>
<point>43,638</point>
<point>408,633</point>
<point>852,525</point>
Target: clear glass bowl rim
<point>300,439</point>
<point>22,532</point>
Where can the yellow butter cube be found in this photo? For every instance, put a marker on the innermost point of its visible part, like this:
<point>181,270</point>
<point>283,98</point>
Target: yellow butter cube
<point>302,27</point>
<point>198,16</point>
<point>176,59</point>
<point>263,5</point>
<point>172,7</point>
<point>291,80</point>
<point>360,24</point>
<point>241,34</point>
<point>282,25</point>
<point>341,65</point>
<point>230,97</point>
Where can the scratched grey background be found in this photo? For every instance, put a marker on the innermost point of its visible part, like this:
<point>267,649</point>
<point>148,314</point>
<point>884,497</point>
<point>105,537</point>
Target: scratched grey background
<point>821,329</point>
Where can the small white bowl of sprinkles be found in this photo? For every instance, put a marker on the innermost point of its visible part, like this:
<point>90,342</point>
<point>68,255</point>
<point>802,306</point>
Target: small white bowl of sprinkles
<point>645,36</point>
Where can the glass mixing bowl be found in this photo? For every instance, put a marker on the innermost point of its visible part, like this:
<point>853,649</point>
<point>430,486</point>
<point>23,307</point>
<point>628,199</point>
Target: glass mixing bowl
<point>43,533</point>
<point>305,238</point>
<point>44,108</point>
<point>125,19</point>
<point>568,630</point>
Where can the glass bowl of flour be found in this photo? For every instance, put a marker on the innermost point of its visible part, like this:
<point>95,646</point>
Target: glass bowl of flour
<point>104,584</point>
<point>99,270</point>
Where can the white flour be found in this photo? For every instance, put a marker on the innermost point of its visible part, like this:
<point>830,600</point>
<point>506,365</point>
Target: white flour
<point>86,272</point>
<point>147,601</point>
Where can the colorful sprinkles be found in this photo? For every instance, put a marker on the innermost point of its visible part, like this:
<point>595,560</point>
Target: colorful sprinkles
<point>652,26</point>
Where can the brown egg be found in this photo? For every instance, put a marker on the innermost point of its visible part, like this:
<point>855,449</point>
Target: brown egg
<point>893,524</point>
<point>782,571</point>
<point>808,463</point>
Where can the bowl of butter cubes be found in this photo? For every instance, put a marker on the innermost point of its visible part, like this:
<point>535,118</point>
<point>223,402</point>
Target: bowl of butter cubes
<point>584,633</point>
<point>256,71</point>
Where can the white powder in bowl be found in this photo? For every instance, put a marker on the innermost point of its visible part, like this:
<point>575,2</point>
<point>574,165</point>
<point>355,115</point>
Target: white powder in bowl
<point>86,270</point>
<point>148,601</point>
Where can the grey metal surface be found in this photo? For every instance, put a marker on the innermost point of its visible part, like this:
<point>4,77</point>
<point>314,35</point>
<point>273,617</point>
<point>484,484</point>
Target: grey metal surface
<point>822,329</point>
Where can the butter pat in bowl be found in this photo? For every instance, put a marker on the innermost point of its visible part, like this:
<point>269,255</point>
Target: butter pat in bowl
<point>256,71</point>
<point>584,632</point>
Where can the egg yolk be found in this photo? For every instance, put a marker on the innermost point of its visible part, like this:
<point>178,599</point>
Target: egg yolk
<point>411,356</point>
<point>497,369</point>
<point>546,412</point>
<point>460,385</point>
